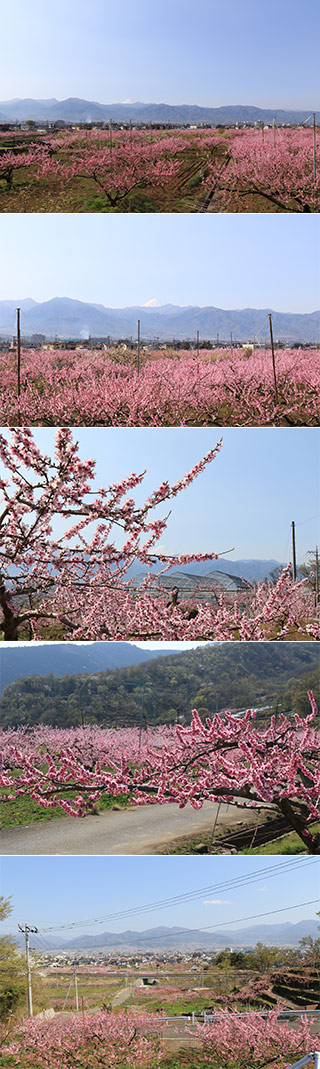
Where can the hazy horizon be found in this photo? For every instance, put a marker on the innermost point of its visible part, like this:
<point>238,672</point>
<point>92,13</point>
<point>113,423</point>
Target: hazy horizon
<point>35,883</point>
<point>160,102</point>
<point>156,303</point>
<point>208,53</point>
<point>122,260</point>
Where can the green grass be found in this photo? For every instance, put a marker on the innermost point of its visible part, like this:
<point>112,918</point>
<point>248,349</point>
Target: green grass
<point>24,810</point>
<point>288,844</point>
<point>194,181</point>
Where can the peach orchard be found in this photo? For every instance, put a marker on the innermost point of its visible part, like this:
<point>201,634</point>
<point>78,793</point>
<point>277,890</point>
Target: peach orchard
<point>108,1040</point>
<point>234,759</point>
<point>280,166</point>
<point>104,387</point>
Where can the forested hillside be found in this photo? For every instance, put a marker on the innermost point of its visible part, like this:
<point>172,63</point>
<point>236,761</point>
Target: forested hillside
<point>166,689</point>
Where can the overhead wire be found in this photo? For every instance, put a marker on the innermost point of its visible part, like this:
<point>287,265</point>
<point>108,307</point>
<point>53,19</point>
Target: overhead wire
<point>264,873</point>
<point>225,924</point>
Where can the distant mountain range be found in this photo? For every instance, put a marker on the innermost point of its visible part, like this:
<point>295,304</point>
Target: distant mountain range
<point>63,317</point>
<point>69,659</point>
<point>76,110</point>
<point>177,938</point>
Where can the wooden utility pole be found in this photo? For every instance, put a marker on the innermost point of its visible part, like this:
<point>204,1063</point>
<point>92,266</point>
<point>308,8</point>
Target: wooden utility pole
<point>197,343</point>
<point>141,717</point>
<point>294,558</point>
<point>273,360</point>
<point>317,575</point>
<point>110,142</point>
<point>76,990</point>
<point>138,357</point>
<point>314,151</point>
<point>18,362</point>
<point>18,351</point>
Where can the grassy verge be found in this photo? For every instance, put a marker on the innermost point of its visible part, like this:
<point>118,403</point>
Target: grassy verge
<point>24,810</point>
<point>286,844</point>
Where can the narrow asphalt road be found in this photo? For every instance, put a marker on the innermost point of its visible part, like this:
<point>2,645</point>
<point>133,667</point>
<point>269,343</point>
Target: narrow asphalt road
<point>128,831</point>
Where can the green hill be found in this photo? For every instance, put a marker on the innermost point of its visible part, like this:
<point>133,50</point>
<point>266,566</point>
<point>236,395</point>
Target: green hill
<point>166,689</point>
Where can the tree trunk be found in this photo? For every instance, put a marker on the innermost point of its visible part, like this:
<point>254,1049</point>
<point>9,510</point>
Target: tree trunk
<point>299,825</point>
<point>9,622</point>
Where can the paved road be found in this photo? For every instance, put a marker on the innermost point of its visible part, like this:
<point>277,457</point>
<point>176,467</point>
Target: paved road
<point>128,831</point>
<point>124,995</point>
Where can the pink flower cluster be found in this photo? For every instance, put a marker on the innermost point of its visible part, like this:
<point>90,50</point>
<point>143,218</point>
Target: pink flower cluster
<point>230,758</point>
<point>78,580</point>
<point>87,387</point>
<point>102,1039</point>
<point>108,1040</point>
<point>276,165</point>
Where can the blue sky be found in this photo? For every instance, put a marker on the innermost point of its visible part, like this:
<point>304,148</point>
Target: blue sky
<point>210,53</point>
<point>229,261</point>
<point>53,891</point>
<point>247,497</point>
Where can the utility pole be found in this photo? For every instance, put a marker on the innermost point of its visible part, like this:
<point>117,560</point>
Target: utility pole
<point>294,559</point>
<point>273,360</point>
<point>18,361</point>
<point>231,337</point>
<point>110,141</point>
<point>317,575</point>
<point>138,360</point>
<point>26,929</point>
<point>141,717</point>
<point>76,989</point>
<point>197,343</point>
<point>274,132</point>
<point>314,151</point>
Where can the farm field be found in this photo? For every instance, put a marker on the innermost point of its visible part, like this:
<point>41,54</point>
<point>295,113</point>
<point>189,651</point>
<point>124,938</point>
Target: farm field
<point>107,387</point>
<point>115,1009</point>
<point>228,759</point>
<point>96,170</point>
<point>138,1038</point>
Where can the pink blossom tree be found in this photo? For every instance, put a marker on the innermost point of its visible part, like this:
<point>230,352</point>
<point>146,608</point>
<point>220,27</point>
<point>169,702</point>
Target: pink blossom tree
<point>227,759</point>
<point>91,387</point>
<point>253,1041</point>
<point>108,1041</point>
<point>280,168</point>
<point>80,575</point>
<point>97,1040</point>
<point>78,584</point>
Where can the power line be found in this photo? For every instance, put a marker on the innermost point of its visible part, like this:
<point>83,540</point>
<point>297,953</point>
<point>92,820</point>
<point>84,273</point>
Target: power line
<point>301,522</point>
<point>226,924</point>
<point>266,872</point>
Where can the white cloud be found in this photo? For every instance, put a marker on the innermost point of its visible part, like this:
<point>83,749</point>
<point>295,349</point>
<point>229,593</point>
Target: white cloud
<point>216,902</point>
